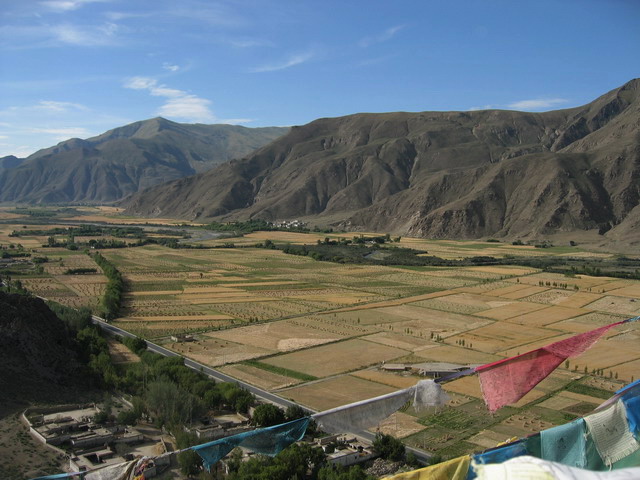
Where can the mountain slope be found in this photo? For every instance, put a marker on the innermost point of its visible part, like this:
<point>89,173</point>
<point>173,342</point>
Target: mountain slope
<point>35,351</point>
<point>124,160</point>
<point>435,174</point>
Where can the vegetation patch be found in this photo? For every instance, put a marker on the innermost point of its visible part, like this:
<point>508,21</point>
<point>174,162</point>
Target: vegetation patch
<point>280,370</point>
<point>583,389</point>
<point>453,418</point>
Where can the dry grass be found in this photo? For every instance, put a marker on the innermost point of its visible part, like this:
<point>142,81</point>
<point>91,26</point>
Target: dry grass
<point>621,305</point>
<point>387,378</point>
<point>258,377</point>
<point>336,358</point>
<point>121,354</point>
<point>399,340</point>
<point>455,354</point>
<point>547,316</point>
<point>511,310</point>
<point>494,337</point>
<point>334,392</point>
<point>399,425</point>
<point>215,352</point>
<point>280,336</point>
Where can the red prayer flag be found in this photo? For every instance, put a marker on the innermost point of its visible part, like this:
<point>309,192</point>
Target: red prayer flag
<point>507,381</point>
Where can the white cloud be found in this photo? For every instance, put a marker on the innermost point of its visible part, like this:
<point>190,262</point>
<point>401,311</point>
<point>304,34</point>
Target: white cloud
<point>187,107</point>
<point>290,62</point>
<point>170,67</point>
<point>388,34</point>
<point>179,104</point>
<point>537,104</point>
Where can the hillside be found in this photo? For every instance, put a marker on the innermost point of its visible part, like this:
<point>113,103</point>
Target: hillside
<point>36,352</point>
<point>435,174</point>
<point>124,160</point>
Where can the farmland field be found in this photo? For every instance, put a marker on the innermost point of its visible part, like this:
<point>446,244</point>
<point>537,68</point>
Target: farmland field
<point>318,332</point>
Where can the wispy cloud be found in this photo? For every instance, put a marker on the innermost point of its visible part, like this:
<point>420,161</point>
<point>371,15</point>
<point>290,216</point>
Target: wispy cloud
<point>236,121</point>
<point>537,104</point>
<point>179,104</point>
<point>387,34</point>
<point>248,42</point>
<point>526,105</point>
<point>374,61</point>
<point>170,67</point>
<point>43,107</point>
<point>67,5</point>
<point>116,16</point>
<point>99,35</point>
<point>54,106</point>
<point>63,133</point>
<point>287,63</point>
<point>21,37</point>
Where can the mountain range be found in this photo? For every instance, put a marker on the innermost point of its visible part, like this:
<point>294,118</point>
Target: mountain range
<point>434,174</point>
<point>124,160</point>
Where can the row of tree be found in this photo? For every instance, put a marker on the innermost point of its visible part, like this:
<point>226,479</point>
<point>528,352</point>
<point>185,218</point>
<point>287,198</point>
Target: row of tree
<point>112,297</point>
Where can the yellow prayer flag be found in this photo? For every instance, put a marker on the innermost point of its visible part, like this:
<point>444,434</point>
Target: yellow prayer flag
<point>455,469</point>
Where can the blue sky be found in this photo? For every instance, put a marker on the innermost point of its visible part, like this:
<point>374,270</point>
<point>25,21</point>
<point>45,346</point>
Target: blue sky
<point>76,68</point>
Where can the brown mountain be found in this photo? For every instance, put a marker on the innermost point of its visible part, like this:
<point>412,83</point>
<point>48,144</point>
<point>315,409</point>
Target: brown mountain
<point>435,174</point>
<point>124,160</point>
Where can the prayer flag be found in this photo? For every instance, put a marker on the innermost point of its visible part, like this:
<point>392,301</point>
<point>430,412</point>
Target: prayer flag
<point>507,381</point>
<point>610,432</point>
<point>455,469</point>
<point>565,444</point>
<point>267,441</point>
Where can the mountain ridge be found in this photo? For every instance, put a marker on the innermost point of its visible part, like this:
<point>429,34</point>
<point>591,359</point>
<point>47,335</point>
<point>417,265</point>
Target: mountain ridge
<point>119,162</point>
<point>433,174</point>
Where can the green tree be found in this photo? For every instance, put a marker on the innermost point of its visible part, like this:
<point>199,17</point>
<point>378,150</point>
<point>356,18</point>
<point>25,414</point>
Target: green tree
<point>266,415</point>
<point>190,462</point>
<point>388,447</point>
<point>341,473</point>
<point>128,417</point>
<point>294,412</point>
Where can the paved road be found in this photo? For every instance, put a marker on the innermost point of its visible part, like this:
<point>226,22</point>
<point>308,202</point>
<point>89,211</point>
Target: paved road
<point>368,437</point>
